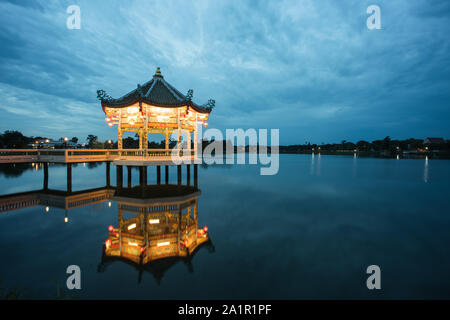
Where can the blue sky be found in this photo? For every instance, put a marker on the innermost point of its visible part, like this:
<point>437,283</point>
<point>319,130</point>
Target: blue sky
<point>310,68</point>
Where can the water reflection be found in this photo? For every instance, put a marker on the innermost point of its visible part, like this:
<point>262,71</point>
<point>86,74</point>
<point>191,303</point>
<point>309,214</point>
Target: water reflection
<point>158,225</point>
<point>425,170</point>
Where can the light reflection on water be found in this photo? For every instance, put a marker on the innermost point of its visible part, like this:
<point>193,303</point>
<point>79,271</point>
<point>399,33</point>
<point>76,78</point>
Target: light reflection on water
<point>308,232</point>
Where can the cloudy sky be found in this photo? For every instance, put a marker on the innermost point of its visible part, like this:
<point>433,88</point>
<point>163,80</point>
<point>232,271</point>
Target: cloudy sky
<point>311,68</point>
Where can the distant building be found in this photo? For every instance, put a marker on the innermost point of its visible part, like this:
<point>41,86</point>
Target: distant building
<point>433,141</point>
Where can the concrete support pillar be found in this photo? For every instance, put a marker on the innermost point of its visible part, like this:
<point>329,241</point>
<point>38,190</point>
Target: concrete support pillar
<point>108,174</point>
<point>196,175</point>
<point>145,175</point>
<point>158,174</point>
<point>129,168</point>
<point>179,175</point>
<point>46,176</point>
<point>141,175</point>
<point>69,177</point>
<point>188,174</point>
<point>119,177</point>
<point>167,174</point>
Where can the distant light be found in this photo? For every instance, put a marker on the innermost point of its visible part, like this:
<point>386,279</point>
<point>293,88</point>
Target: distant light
<point>153,221</point>
<point>65,139</point>
<point>66,219</point>
<point>132,226</point>
<point>47,209</point>
<point>109,203</point>
<point>205,228</point>
<point>205,124</point>
<point>111,228</point>
<point>110,124</point>
<point>160,244</point>
<point>134,244</point>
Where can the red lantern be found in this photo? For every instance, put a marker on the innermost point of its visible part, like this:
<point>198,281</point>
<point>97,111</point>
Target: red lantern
<point>111,228</point>
<point>205,228</point>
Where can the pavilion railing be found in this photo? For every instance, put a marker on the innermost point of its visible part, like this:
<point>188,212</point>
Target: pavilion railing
<point>82,155</point>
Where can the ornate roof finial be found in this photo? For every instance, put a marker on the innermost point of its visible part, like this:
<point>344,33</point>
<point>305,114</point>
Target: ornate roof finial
<point>139,90</point>
<point>158,72</point>
<point>189,95</point>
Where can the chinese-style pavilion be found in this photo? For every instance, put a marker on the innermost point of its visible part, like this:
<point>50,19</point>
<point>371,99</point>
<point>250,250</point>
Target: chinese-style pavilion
<point>155,107</point>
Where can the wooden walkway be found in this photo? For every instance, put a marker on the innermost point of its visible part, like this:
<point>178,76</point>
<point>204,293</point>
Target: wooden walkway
<point>134,157</point>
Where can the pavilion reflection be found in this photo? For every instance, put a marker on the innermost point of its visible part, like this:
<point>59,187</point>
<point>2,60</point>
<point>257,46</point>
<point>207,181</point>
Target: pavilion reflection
<point>157,227</point>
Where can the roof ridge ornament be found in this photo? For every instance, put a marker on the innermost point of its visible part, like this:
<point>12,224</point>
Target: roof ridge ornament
<point>103,96</point>
<point>210,105</point>
<point>189,95</point>
<point>158,72</point>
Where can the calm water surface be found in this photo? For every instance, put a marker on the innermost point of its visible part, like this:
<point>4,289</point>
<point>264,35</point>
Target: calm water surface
<point>308,232</point>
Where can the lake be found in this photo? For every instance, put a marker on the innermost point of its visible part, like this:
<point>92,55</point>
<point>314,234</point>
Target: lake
<point>308,232</point>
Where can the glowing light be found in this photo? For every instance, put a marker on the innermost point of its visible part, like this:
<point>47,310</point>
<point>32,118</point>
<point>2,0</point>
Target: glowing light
<point>47,209</point>
<point>110,124</point>
<point>107,243</point>
<point>162,118</point>
<point>160,244</point>
<point>142,249</point>
<point>66,139</point>
<point>66,219</point>
<point>111,228</point>
<point>133,110</point>
<point>205,228</point>
<point>134,244</point>
<point>153,221</point>
<point>205,124</point>
<point>109,204</point>
<point>107,119</point>
<point>132,226</point>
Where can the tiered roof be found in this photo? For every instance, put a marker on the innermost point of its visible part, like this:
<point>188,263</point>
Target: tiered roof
<point>157,92</point>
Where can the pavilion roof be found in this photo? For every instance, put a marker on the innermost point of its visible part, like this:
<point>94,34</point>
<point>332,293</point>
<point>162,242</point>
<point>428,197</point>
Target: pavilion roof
<point>157,92</point>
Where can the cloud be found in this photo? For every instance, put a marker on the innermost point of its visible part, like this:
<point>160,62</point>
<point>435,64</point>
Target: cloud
<point>310,68</point>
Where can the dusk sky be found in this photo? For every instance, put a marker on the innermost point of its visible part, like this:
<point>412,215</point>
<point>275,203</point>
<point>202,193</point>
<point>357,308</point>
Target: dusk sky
<point>309,68</point>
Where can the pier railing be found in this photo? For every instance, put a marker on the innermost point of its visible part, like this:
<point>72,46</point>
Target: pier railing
<point>89,155</point>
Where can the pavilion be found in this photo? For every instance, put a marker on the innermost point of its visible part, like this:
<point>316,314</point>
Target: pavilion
<point>156,107</point>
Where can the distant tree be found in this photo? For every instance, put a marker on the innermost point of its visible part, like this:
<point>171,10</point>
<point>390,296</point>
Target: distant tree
<point>74,140</point>
<point>14,140</point>
<point>92,140</point>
